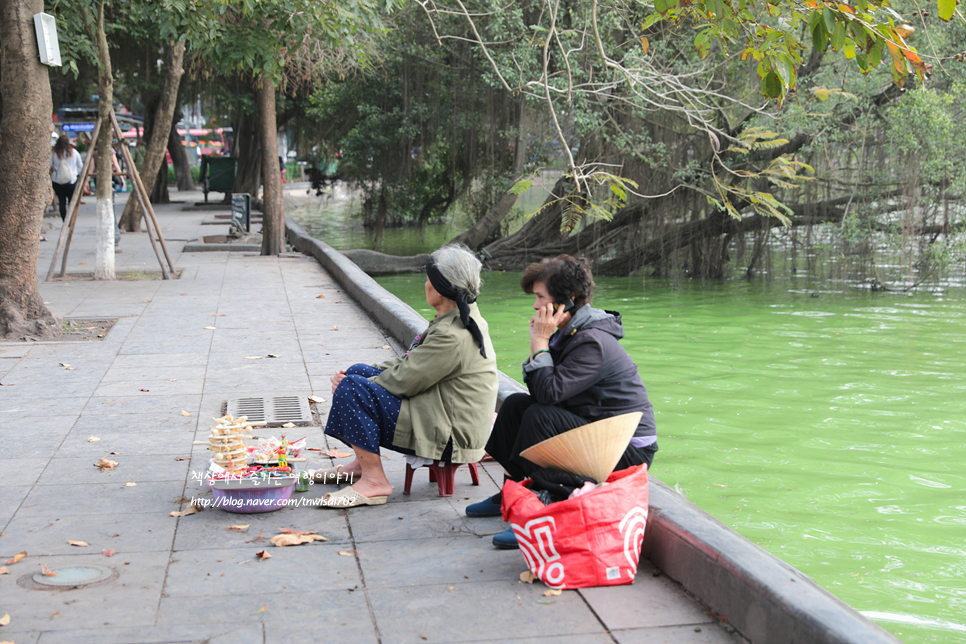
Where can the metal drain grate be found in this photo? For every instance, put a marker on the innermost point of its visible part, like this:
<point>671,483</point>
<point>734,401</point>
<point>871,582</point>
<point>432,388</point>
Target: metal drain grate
<point>276,410</point>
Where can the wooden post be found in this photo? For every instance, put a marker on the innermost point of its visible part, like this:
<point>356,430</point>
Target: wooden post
<point>143,194</point>
<point>67,230</point>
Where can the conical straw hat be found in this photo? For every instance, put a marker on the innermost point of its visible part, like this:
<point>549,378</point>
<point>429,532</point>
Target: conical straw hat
<point>590,450</point>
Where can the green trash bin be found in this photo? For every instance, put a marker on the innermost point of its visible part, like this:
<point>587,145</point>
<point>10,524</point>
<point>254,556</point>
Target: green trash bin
<point>217,174</point>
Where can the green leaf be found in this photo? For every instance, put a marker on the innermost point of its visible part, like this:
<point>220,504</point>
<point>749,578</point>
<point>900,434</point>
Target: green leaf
<point>819,37</point>
<point>660,6</point>
<point>849,49</point>
<point>946,9</point>
<point>702,44</point>
<point>875,54</point>
<point>652,20</point>
<point>829,17</point>
<point>771,86</point>
<point>521,186</point>
<point>618,192</point>
<point>838,37</point>
<point>784,72</point>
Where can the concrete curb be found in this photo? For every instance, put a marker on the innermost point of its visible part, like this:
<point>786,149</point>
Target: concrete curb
<point>196,247</point>
<point>764,598</point>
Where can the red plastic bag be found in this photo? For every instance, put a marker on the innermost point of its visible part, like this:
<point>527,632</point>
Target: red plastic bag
<point>592,540</point>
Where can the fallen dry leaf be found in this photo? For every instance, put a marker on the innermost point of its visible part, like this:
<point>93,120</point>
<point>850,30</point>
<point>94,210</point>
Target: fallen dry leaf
<point>80,544</point>
<point>274,355</point>
<point>184,413</point>
<point>172,380</point>
<point>316,399</point>
<point>4,570</point>
<point>63,364</point>
<point>220,315</point>
<point>109,552</point>
<point>319,297</point>
<point>47,572</point>
<point>552,592</point>
<point>291,531</point>
<point>211,328</point>
<point>288,425</point>
<point>144,389</point>
<point>347,553</point>
<point>93,439</point>
<point>188,511</point>
<point>5,619</point>
<point>253,357</point>
<point>386,346</point>
<point>105,464</point>
<point>258,538</point>
<point>335,327</point>
<point>130,484</point>
<point>181,458</point>
<point>17,557</point>
<point>239,528</point>
<point>263,555</point>
<point>282,540</point>
<point>527,577</point>
<point>261,610</point>
<point>334,453</point>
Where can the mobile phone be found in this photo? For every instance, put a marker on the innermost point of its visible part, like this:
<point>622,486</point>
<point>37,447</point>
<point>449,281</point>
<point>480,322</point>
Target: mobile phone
<point>567,306</point>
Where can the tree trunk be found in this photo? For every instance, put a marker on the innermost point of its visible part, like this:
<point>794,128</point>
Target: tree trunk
<point>25,167</point>
<point>273,210</point>
<point>179,157</point>
<point>541,230</point>
<point>160,193</point>
<point>481,230</point>
<point>246,149</point>
<point>104,252</point>
<point>154,155</point>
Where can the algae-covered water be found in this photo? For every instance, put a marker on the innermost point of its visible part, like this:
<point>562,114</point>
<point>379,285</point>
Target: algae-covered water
<point>829,427</point>
<point>830,430</point>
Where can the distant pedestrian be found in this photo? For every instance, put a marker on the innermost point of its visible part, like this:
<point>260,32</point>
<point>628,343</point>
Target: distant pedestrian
<point>65,165</point>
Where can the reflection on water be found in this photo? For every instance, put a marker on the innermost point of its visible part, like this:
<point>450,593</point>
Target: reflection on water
<point>339,224</point>
<point>828,430</point>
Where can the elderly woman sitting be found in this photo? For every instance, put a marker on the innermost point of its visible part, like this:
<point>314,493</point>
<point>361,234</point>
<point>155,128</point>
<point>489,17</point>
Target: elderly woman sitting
<point>435,402</point>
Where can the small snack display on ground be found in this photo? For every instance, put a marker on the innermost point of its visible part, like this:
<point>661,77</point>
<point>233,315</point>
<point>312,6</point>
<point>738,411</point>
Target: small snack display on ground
<point>251,479</point>
<point>227,441</point>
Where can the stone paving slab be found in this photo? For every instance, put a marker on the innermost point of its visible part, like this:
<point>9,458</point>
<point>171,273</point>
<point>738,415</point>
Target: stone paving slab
<point>416,569</point>
<point>48,535</point>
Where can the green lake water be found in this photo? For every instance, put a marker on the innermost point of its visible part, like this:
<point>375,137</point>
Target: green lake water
<point>830,430</point>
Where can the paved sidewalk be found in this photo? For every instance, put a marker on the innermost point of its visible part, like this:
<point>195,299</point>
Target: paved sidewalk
<point>413,570</point>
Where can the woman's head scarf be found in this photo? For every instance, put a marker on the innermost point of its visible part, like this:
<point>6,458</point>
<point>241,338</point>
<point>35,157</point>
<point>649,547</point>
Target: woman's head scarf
<point>462,299</point>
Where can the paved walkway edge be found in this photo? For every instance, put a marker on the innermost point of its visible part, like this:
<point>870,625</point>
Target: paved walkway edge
<point>764,598</point>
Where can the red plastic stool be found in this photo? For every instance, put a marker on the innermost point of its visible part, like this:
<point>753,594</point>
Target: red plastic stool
<point>443,474</point>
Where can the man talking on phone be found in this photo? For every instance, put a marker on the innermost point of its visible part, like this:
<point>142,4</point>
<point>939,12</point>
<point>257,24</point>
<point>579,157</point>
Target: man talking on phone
<point>577,373</point>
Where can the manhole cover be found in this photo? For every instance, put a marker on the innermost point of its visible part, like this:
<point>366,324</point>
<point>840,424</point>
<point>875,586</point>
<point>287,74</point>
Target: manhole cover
<point>74,576</point>
<point>275,411</point>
